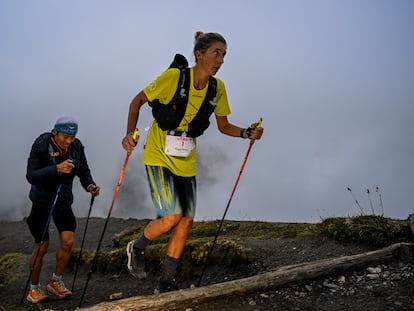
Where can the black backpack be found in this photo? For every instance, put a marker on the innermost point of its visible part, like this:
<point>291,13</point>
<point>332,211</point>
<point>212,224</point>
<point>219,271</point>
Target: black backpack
<point>169,116</point>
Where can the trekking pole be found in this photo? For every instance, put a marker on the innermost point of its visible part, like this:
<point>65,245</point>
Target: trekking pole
<point>83,241</point>
<point>259,123</point>
<point>95,257</point>
<point>42,239</point>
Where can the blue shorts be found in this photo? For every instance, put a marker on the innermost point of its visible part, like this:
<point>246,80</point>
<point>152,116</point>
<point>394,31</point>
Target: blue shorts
<point>172,194</point>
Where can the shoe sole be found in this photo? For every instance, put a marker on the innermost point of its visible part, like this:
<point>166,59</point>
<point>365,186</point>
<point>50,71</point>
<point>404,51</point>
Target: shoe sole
<point>51,290</point>
<point>36,301</point>
<point>158,291</point>
<point>139,275</point>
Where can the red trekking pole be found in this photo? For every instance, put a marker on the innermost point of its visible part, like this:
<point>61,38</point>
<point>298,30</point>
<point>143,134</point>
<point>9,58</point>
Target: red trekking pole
<point>259,123</point>
<point>95,257</point>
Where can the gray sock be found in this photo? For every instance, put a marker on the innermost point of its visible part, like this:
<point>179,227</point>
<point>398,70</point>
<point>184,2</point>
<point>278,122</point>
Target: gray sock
<point>56,278</point>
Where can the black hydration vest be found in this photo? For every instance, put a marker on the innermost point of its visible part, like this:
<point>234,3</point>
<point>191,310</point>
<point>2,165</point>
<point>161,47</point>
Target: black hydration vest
<point>169,116</point>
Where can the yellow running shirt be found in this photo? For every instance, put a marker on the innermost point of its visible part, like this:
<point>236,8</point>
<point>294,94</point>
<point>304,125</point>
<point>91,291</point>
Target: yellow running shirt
<point>163,88</point>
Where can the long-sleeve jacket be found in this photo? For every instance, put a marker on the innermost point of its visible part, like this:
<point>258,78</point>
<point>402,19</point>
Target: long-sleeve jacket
<point>43,176</point>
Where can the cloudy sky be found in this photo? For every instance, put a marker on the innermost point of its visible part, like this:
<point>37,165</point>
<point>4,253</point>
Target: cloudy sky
<point>333,81</point>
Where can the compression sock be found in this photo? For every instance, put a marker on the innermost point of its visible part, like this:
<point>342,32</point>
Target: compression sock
<point>141,243</point>
<point>170,265</point>
<point>56,278</point>
<point>35,286</point>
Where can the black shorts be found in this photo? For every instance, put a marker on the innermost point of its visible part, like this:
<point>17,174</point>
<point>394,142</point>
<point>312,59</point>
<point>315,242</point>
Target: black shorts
<point>38,219</point>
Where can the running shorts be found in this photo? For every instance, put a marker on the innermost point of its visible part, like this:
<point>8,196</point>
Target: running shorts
<point>63,219</point>
<point>171,194</point>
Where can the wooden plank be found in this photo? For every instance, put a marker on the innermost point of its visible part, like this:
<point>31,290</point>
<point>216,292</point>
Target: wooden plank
<point>280,277</point>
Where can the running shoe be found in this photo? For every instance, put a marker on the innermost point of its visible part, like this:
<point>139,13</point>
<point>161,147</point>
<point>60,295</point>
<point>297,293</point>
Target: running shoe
<point>58,289</point>
<point>36,295</point>
<point>136,261</point>
<point>166,286</point>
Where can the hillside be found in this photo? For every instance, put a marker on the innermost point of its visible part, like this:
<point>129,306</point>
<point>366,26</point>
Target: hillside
<point>266,246</point>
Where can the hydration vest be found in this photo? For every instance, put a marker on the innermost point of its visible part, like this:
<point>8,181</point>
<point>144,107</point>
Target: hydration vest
<point>169,116</point>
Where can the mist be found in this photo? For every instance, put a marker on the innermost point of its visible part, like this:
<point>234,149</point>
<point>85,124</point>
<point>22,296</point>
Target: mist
<point>331,79</point>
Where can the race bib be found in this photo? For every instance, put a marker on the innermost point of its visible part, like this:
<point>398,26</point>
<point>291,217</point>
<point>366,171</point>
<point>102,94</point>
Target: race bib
<point>178,145</point>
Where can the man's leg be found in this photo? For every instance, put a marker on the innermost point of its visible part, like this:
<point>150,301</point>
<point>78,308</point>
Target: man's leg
<point>56,285</point>
<point>36,293</point>
<point>36,261</point>
<point>64,252</point>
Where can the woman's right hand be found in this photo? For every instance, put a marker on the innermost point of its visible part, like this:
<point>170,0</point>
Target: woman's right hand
<point>129,143</point>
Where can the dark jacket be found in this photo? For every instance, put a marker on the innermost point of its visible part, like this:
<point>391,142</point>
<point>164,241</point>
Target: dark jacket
<point>44,178</point>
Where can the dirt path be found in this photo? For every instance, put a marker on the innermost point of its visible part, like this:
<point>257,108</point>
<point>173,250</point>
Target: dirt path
<point>391,289</point>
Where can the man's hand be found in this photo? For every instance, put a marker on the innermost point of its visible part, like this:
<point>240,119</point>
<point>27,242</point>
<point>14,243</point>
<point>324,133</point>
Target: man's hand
<point>65,167</point>
<point>93,189</point>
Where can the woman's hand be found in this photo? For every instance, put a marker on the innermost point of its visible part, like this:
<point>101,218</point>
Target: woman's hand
<point>130,141</point>
<point>255,131</point>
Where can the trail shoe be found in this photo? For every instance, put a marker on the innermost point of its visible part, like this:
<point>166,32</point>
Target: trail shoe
<point>166,286</point>
<point>58,289</point>
<point>36,295</point>
<point>136,262</point>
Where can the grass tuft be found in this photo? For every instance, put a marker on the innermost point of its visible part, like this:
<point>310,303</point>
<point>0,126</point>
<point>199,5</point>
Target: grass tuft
<point>9,263</point>
<point>366,229</point>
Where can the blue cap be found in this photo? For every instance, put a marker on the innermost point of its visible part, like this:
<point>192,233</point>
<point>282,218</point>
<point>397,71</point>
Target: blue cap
<point>67,125</point>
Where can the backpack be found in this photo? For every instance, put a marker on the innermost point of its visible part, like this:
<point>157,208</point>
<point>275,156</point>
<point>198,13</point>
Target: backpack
<point>169,116</point>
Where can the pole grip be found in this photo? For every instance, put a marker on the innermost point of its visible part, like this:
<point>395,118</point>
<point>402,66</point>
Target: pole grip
<point>256,125</point>
<point>135,136</point>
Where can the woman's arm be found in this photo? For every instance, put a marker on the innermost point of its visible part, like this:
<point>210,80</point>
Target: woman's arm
<point>230,129</point>
<point>139,100</point>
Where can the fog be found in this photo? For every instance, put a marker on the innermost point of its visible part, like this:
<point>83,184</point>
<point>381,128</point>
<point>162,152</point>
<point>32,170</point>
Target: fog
<point>333,81</point>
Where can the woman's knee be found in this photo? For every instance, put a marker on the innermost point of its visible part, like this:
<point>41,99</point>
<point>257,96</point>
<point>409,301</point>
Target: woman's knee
<point>184,226</point>
<point>186,223</point>
<point>171,221</point>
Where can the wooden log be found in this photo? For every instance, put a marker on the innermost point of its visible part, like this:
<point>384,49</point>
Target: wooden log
<point>407,252</point>
<point>411,223</point>
<point>282,276</point>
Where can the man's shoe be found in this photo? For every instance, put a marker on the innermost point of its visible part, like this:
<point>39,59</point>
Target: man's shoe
<point>136,262</point>
<point>36,295</point>
<point>166,286</point>
<point>58,289</point>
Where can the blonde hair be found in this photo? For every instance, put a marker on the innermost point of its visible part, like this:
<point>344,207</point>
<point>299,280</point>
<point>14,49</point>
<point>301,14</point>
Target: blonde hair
<point>204,40</point>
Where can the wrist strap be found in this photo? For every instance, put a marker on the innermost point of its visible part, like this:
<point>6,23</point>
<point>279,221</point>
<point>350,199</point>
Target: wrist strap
<point>242,133</point>
<point>249,132</point>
